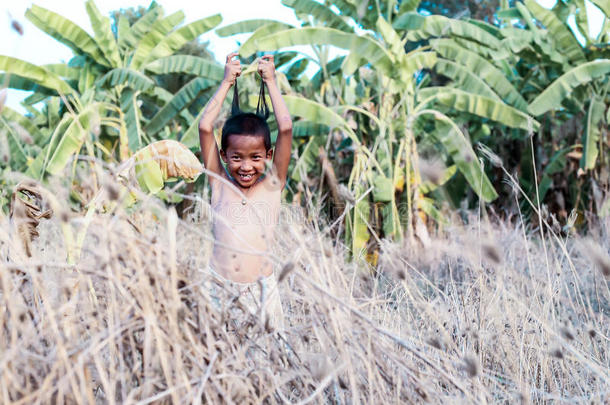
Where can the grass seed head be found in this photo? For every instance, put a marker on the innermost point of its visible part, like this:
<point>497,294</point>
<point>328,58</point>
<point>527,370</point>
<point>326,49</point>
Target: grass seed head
<point>432,170</point>
<point>492,157</point>
<point>471,365</point>
<point>557,353</point>
<point>492,253</point>
<point>597,255</point>
<point>566,333</point>
<point>287,269</point>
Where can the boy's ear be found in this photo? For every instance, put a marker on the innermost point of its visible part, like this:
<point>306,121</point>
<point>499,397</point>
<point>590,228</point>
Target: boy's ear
<point>223,156</point>
<point>269,153</point>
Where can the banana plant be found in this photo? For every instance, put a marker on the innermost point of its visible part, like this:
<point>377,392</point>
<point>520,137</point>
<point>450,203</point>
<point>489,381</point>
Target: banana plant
<point>113,69</point>
<point>537,62</point>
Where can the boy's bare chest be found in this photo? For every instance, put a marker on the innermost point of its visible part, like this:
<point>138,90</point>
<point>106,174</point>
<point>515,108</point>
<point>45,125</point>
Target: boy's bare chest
<point>260,200</point>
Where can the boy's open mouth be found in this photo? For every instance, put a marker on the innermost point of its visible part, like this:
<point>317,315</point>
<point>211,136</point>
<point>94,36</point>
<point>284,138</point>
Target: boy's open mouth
<point>246,177</point>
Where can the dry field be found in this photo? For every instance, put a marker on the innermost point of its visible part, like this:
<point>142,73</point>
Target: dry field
<point>488,312</point>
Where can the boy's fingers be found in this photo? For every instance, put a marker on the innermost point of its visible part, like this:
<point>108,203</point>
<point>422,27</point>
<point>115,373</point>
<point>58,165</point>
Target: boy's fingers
<point>231,56</point>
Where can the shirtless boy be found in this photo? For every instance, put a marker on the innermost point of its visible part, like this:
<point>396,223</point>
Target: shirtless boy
<point>246,204</point>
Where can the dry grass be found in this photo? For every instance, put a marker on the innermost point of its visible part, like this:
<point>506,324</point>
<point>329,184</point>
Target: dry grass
<point>482,315</point>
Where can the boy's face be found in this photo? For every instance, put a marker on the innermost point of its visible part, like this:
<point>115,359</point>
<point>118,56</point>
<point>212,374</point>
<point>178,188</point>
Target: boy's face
<point>245,158</point>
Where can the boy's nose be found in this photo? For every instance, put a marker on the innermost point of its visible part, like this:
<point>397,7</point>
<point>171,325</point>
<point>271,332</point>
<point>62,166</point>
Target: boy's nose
<point>246,165</point>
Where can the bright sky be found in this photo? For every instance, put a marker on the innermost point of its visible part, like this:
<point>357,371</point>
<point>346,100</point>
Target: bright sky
<point>39,48</point>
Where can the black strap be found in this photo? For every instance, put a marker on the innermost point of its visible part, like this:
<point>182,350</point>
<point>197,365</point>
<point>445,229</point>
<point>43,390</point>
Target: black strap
<point>235,106</point>
<point>262,109</point>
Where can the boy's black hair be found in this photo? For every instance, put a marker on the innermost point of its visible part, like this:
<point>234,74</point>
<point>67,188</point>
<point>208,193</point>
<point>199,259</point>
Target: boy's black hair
<point>241,123</point>
<point>245,124</point>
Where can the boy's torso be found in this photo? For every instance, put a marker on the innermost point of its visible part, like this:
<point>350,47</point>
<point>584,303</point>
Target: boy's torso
<point>244,229</point>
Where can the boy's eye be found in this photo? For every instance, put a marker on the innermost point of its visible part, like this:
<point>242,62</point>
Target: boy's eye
<point>257,157</point>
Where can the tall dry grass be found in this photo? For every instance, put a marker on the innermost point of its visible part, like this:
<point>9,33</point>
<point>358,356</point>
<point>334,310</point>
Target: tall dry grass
<point>488,313</point>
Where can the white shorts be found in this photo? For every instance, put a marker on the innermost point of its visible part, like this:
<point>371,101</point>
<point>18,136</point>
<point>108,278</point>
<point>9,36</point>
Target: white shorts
<point>261,298</point>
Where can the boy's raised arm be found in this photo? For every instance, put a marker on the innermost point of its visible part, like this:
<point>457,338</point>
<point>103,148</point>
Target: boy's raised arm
<point>283,145</point>
<point>209,148</point>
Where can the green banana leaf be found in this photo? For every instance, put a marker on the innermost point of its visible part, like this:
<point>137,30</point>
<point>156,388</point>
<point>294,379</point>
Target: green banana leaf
<point>348,9</point>
<point>13,81</point>
<point>62,70</point>
<point>66,32</point>
<point>408,6</point>
<point>13,116</point>
<point>283,58</point>
<point>103,34</point>
<point>552,97</point>
<point>332,67</point>
<point>359,230</point>
<point>17,153</point>
<point>71,141</point>
<point>426,204</point>
<point>129,37</point>
<point>458,147</point>
<point>509,14</point>
<point>561,34</point>
<point>123,76</point>
<point>242,27</point>
<point>35,167</point>
<point>494,55</point>
<point>308,158</point>
<point>181,36</point>
<point>371,50</point>
<point>187,64</point>
<point>390,36</point>
<point>34,73</point>
<point>592,133</point>
<point>427,186</point>
<point>148,173</point>
<point>480,105</point>
<point>409,21</point>
<point>391,221</point>
<point>517,40</point>
<point>320,12</point>
<point>249,47</point>
<point>582,21</point>
<point>482,68</point>
<point>464,78</point>
<point>303,129</point>
<point>183,98</point>
<point>383,188</point>
<point>161,97</point>
<point>313,111</point>
<point>440,26</point>
<point>556,164</point>
<point>132,117</point>
<point>87,77</point>
<point>493,30</point>
<point>157,33</point>
<point>415,62</point>
<point>297,68</point>
<point>190,137</point>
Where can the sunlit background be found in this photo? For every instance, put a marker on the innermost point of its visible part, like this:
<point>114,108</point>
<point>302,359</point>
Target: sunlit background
<point>38,47</point>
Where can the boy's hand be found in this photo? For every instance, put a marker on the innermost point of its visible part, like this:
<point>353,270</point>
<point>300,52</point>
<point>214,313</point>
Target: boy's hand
<point>232,68</point>
<point>266,68</point>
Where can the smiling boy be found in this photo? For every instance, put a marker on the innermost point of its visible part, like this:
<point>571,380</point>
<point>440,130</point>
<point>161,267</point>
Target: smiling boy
<point>246,195</point>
